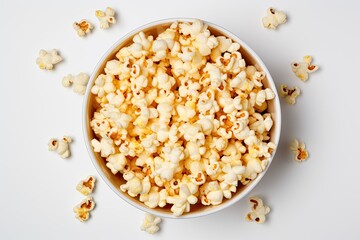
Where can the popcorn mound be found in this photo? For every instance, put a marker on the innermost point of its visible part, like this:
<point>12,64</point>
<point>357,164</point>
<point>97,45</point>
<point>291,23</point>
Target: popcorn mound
<point>182,118</point>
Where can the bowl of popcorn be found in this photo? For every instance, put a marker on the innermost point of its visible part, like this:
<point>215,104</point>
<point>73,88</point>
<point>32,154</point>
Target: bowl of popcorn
<point>181,118</point>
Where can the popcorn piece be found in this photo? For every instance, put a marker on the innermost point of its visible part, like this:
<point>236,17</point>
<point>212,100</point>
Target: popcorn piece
<point>105,146</point>
<point>258,210</point>
<point>302,69</point>
<point>154,198</point>
<point>86,186</point>
<point>274,18</point>
<point>211,193</point>
<point>62,147</point>
<point>79,82</point>
<point>299,150</point>
<point>83,27</point>
<point>106,18</point>
<point>150,224</point>
<point>135,185</point>
<point>116,162</point>
<point>290,94</point>
<point>264,95</point>
<point>47,60</point>
<point>181,203</point>
<point>82,211</point>
<point>103,85</point>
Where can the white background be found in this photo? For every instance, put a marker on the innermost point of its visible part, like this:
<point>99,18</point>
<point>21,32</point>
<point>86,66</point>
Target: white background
<point>318,199</point>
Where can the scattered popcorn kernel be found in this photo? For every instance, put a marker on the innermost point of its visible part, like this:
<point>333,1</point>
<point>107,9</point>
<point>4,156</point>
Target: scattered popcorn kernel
<point>299,150</point>
<point>273,18</point>
<point>83,27</point>
<point>62,147</point>
<point>82,211</point>
<point>47,60</point>
<point>106,18</point>
<point>258,210</point>
<point>290,94</point>
<point>86,186</point>
<point>150,224</point>
<point>182,118</point>
<point>303,69</point>
<point>79,82</point>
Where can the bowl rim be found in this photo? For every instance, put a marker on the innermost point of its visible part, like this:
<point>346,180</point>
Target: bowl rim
<point>188,215</point>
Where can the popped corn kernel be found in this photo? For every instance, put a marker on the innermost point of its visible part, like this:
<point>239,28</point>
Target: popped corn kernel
<point>83,209</point>
<point>106,18</point>
<point>258,210</point>
<point>304,68</point>
<point>86,186</point>
<point>47,60</point>
<point>273,18</point>
<point>79,82</point>
<point>299,150</point>
<point>61,147</point>
<point>83,27</point>
<point>116,162</point>
<point>150,224</point>
<point>290,94</point>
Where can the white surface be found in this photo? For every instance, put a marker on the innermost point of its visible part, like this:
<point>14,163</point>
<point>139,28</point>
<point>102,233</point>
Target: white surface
<point>318,199</point>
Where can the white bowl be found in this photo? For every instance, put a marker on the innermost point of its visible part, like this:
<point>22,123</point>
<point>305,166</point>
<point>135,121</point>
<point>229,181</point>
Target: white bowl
<point>114,182</point>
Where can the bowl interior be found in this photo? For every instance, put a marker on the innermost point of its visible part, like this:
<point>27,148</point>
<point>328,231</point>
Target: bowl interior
<point>117,180</point>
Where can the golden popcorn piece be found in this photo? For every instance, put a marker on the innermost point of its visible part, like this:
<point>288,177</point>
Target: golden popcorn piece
<point>82,210</point>
<point>83,27</point>
<point>86,186</point>
<point>290,94</point>
<point>106,18</point>
<point>303,69</point>
<point>150,224</point>
<point>258,211</point>
<point>299,150</point>
<point>61,147</point>
<point>273,18</point>
<point>47,60</point>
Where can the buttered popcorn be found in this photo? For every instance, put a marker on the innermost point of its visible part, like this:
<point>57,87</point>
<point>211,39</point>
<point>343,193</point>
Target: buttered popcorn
<point>86,186</point>
<point>182,118</point>
<point>106,18</point>
<point>274,18</point>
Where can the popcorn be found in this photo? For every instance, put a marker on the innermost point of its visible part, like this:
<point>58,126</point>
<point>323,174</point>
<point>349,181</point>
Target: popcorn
<point>254,166</point>
<point>104,147</point>
<point>103,85</point>
<point>47,60</point>
<point>263,123</point>
<point>86,186</point>
<point>154,198</point>
<point>264,95</point>
<point>150,224</point>
<point>83,27</point>
<point>299,150</point>
<point>181,203</point>
<point>273,18</point>
<point>211,193</point>
<point>116,162</point>
<point>290,94</point>
<point>79,82</point>
<point>106,18</point>
<point>159,47</point>
<point>258,210</point>
<point>82,210</point>
<point>61,147</point>
<point>135,185</point>
<point>182,118</point>
<point>302,69</point>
